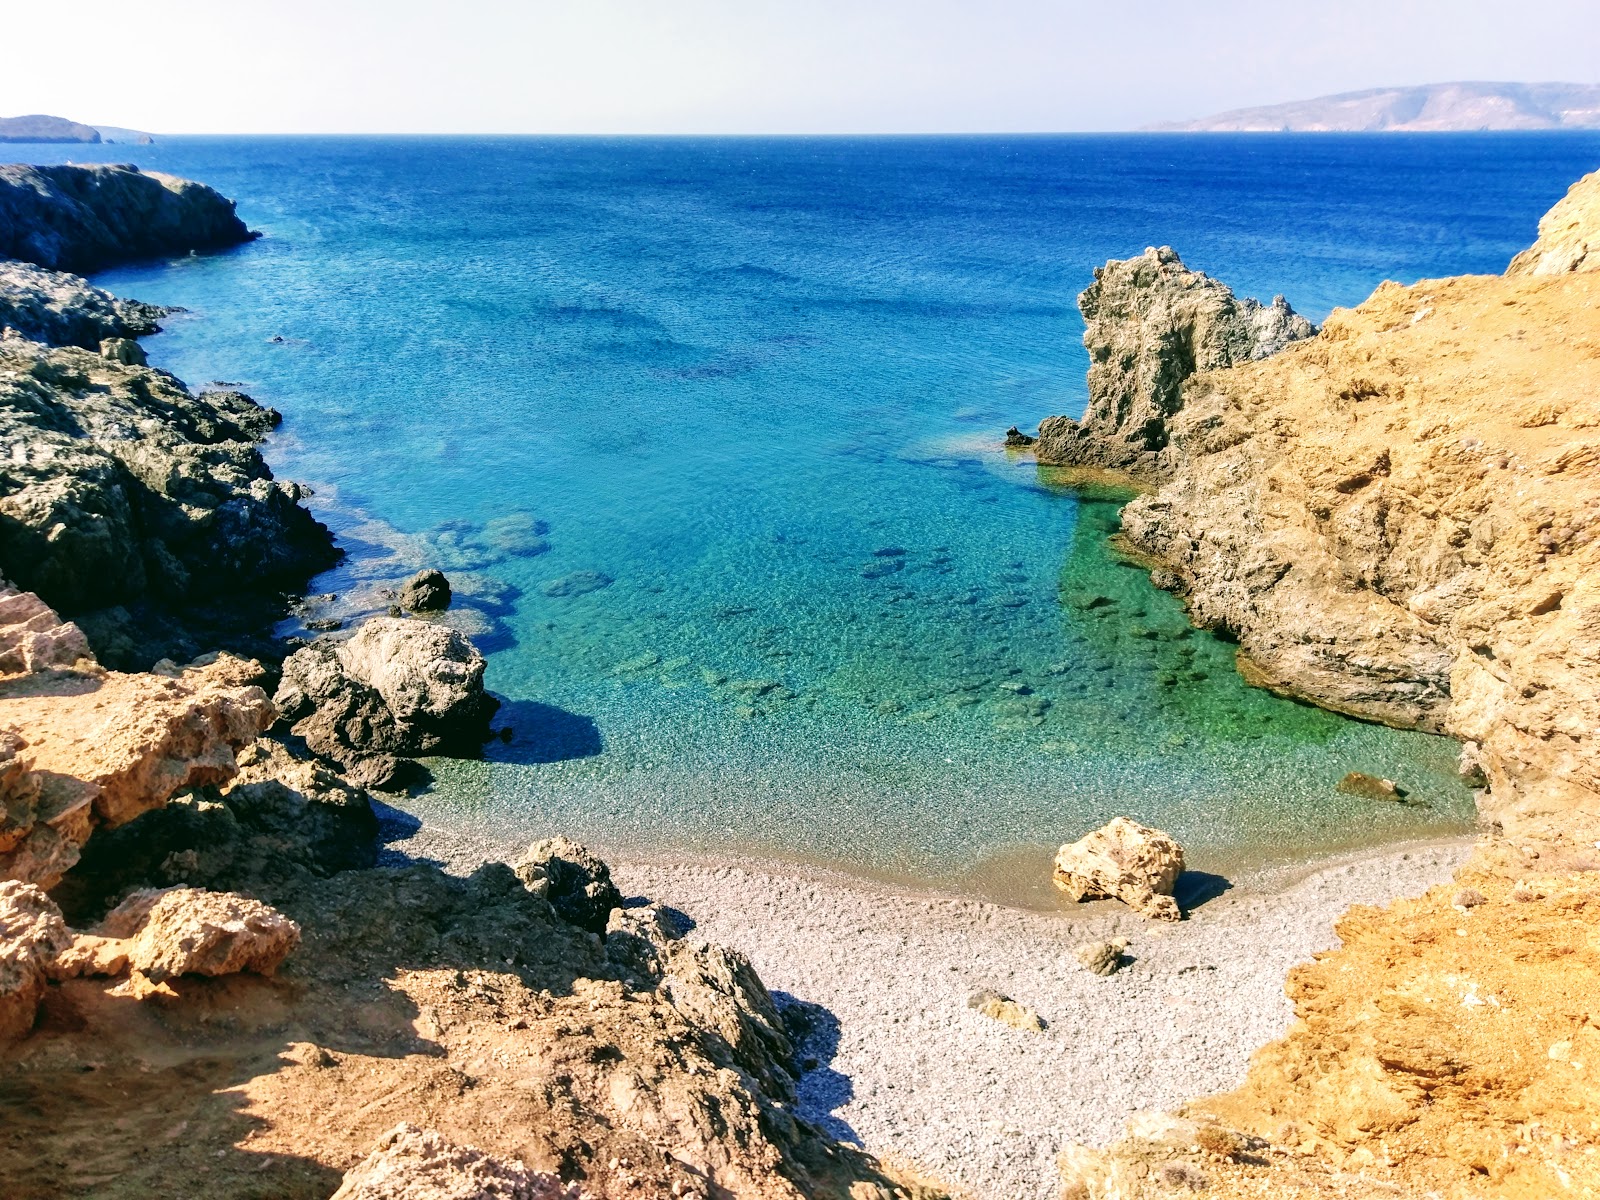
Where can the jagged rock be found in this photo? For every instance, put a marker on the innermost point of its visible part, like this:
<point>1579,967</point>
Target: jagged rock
<point>1151,324</point>
<point>33,637</point>
<point>1017,440</point>
<point>1370,787</point>
<point>426,591</point>
<point>123,350</point>
<point>1124,861</point>
<point>419,1164</point>
<point>1102,958</point>
<point>396,688</point>
<point>32,935</point>
<point>166,933</point>
<point>59,309</point>
<point>82,218</point>
<point>104,748</point>
<point>575,881</point>
<point>1569,235</point>
<point>122,488</point>
<point>1006,1010</point>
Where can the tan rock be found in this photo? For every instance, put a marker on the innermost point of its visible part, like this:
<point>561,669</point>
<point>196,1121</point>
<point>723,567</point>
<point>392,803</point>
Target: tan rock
<point>1123,861</point>
<point>1006,1010</point>
<point>104,747</point>
<point>1569,235</point>
<point>32,637</point>
<point>1102,958</point>
<point>185,931</point>
<point>1371,787</point>
<point>32,934</point>
<point>419,1164</point>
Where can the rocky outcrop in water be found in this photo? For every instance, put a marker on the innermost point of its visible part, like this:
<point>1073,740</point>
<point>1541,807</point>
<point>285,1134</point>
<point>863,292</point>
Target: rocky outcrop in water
<point>83,218</point>
<point>1151,324</point>
<point>396,689</point>
<point>123,491</point>
<point>66,310</point>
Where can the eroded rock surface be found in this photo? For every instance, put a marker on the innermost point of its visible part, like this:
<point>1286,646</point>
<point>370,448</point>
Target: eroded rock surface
<point>421,1164</point>
<point>82,218</point>
<point>397,688</point>
<point>32,935</point>
<point>575,881</point>
<point>1152,323</point>
<point>1124,861</point>
<point>59,309</point>
<point>1569,235</point>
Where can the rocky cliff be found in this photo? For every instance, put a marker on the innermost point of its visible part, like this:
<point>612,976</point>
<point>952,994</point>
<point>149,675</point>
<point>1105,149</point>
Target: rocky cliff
<point>1152,323</point>
<point>82,218</point>
<point>38,127</point>
<point>66,310</point>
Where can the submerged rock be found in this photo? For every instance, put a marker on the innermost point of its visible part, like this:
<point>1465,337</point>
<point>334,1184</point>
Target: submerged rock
<point>579,583</point>
<point>1370,787</point>
<point>1123,861</point>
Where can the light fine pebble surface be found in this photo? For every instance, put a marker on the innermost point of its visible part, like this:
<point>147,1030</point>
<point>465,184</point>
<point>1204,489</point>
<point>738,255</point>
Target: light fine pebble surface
<point>900,1064</point>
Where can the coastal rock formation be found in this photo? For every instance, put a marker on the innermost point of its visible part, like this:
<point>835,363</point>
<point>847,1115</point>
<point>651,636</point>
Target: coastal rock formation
<point>33,637</point>
<point>1152,323</point>
<point>124,490</point>
<point>83,218</point>
<point>420,1164</point>
<point>167,933</point>
<point>397,688</point>
<point>99,748</point>
<point>1569,235</point>
<point>39,127</point>
<point>32,934</point>
<point>66,310</point>
<point>1124,861</point>
<point>425,592</point>
<point>574,880</point>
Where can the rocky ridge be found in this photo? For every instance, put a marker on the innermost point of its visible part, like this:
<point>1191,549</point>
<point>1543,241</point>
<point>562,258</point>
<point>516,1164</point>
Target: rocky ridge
<point>1395,519</point>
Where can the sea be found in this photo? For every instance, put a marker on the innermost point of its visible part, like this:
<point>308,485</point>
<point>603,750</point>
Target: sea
<point>708,433</point>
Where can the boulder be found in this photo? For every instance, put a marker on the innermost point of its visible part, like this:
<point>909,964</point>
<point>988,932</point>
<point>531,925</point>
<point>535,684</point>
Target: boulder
<point>396,688</point>
<point>32,935</point>
<point>419,1164</point>
<point>123,350</point>
<point>425,592</point>
<point>575,881</point>
<point>1102,958</point>
<point>166,933</point>
<point>1123,861</point>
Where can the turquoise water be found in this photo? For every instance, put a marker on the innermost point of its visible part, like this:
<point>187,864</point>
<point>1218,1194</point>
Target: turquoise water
<point>708,432</point>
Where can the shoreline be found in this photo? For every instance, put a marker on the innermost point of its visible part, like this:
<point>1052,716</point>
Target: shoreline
<point>897,1062</point>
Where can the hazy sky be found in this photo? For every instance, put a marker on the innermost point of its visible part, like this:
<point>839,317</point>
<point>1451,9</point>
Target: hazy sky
<point>676,66</point>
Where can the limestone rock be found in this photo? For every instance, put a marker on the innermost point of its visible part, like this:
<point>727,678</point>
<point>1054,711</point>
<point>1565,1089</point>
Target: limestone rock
<point>102,748</point>
<point>396,688</point>
<point>1005,1010</point>
<point>33,638</point>
<point>426,591</point>
<point>1123,861</point>
<point>1151,324</point>
<point>32,935</point>
<point>575,881</point>
<point>123,350</point>
<point>82,218</point>
<point>1102,958</point>
<point>59,309</point>
<point>419,1164</point>
<point>1569,234</point>
<point>186,931</point>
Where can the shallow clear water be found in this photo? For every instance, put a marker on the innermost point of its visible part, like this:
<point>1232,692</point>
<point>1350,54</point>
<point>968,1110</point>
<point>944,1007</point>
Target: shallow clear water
<point>758,385</point>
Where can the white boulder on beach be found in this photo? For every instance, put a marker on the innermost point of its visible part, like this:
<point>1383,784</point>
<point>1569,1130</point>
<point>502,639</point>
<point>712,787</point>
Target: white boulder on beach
<point>1123,860</point>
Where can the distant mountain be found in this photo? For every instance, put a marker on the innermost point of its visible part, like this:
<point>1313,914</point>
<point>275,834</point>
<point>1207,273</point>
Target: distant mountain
<point>1432,107</point>
<point>40,128</point>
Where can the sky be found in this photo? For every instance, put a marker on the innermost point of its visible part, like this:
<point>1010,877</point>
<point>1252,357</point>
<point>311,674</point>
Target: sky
<point>750,66</point>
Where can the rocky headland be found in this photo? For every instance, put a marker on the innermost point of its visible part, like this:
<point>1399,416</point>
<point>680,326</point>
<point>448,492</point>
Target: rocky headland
<point>1395,518</point>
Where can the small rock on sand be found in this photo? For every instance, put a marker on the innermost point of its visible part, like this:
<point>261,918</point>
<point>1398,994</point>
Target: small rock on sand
<point>1102,958</point>
<point>1124,861</point>
<point>1006,1010</point>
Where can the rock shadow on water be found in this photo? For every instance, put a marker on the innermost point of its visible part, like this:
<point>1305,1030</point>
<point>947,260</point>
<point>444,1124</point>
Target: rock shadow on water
<point>821,1090</point>
<point>542,733</point>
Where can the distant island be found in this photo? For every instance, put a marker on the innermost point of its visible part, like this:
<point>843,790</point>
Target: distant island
<point>37,127</point>
<point>1429,108</point>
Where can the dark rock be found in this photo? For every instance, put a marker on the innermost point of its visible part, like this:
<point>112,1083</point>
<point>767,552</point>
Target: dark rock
<point>573,879</point>
<point>1017,440</point>
<point>579,583</point>
<point>426,591</point>
<point>83,218</point>
<point>65,310</point>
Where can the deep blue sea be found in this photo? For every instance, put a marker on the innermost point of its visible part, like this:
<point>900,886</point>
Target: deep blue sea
<point>707,431</point>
